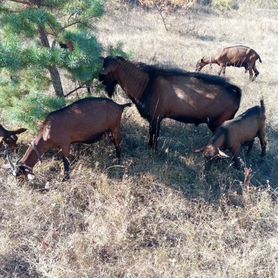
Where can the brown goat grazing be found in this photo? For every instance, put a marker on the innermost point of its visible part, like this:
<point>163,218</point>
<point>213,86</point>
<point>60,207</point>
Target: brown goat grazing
<point>84,121</point>
<point>158,93</point>
<point>8,138</point>
<point>240,131</point>
<point>236,56</point>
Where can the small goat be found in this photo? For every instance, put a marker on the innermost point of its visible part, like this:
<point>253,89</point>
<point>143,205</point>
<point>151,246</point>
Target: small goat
<point>8,138</point>
<point>241,130</point>
<point>84,121</point>
<point>236,56</point>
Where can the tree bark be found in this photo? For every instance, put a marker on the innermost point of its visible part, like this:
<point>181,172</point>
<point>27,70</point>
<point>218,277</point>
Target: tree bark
<point>54,73</point>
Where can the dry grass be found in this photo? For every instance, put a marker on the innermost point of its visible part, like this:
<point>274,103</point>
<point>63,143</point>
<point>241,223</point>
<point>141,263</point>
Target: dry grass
<point>156,214</point>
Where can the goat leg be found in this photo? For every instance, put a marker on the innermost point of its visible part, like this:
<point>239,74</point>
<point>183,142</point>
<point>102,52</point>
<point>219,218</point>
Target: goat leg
<point>66,168</point>
<point>118,153</point>
<point>222,69</point>
<point>117,139</point>
<point>255,70</point>
<point>156,135</point>
<point>250,146</point>
<point>238,163</point>
<point>261,136</point>
<point>250,73</point>
<point>151,135</point>
<point>154,132</point>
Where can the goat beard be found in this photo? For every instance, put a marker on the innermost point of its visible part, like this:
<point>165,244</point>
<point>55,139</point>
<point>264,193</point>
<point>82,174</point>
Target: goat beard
<point>110,89</point>
<point>108,83</point>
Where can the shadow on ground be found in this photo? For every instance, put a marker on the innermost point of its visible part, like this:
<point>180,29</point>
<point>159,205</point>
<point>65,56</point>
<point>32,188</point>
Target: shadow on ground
<point>174,164</point>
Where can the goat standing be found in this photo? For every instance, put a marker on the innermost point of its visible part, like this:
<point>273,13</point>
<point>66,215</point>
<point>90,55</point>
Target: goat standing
<point>158,93</point>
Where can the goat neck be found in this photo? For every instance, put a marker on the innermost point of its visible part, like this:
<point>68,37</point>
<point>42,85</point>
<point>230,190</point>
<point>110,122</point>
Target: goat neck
<point>210,60</point>
<point>132,80</point>
<point>33,154</point>
<point>219,138</point>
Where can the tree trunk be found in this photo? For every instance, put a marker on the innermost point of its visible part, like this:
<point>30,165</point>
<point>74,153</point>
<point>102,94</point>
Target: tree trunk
<point>54,73</point>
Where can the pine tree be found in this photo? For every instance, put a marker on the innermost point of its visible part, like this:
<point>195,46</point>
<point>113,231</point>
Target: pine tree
<point>29,27</point>
<point>31,57</point>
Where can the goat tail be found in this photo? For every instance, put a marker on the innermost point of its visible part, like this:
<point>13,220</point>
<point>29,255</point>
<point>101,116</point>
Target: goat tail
<point>262,105</point>
<point>126,105</point>
<point>236,91</point>
<point>260,60</point>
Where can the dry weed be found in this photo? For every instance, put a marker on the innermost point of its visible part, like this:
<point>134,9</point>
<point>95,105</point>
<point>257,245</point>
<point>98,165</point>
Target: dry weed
<point>157,214</point>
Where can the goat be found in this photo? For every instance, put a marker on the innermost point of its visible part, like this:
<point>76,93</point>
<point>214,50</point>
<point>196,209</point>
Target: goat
<point>236,56</point>
<point>159,93</point>
<point>8,138</point>
<point>84,121</point>
<point>236,132</point>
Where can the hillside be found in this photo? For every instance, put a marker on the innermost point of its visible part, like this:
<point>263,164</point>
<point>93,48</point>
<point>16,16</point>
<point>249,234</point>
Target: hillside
<point>157,214</point>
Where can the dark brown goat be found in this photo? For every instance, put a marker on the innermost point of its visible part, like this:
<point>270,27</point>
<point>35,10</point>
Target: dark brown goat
<point>84,121</point>
<point>242,130</point>
<point>188,97</point>
<point>236,56</point>
<point>8,138</point>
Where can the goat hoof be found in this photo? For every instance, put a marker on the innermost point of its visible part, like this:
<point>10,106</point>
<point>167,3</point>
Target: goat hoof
<point>239,164</point>
<point>66,178</point>
<point>239,167</point>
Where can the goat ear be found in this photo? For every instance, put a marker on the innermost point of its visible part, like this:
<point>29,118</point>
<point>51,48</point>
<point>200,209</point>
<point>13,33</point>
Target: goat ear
<point>199,150</point>
<point>20,130</point>
<point>222,154</point>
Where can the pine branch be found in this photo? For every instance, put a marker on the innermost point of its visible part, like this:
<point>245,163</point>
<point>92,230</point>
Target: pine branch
<point>6,10</point>
<point>71,24</point>
<point>21,2</point>
<point>74,90</point>
<point>31,3</point>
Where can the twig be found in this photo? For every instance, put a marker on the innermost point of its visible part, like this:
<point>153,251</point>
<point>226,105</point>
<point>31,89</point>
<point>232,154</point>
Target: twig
<point>73,23</point>
<point>162,17</point>
<point>79,87</point>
